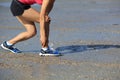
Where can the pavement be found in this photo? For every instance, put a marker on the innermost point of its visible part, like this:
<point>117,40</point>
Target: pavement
<point>87,33</point>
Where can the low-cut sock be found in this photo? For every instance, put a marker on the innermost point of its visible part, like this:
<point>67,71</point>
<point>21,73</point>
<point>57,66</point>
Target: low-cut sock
<point>45,48</point>
<point>9,44</point>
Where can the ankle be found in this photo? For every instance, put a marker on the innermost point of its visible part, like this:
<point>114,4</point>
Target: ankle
<point>45,48</point>
<point>8,43</point>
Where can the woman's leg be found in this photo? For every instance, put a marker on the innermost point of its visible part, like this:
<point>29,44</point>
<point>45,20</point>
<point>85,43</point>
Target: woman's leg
<point>46,7</point>
<point>44,30</point>
<point>27,19</point>
<point>30,31</point>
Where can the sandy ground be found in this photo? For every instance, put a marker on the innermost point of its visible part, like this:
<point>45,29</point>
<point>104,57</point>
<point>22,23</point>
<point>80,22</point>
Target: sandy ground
<point>87,33</point>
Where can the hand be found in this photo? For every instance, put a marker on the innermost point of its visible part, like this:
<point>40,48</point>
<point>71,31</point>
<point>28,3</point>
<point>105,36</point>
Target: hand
<point>48,19</point>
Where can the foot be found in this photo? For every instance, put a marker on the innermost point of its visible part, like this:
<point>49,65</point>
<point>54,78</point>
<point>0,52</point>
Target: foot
<point>10,48</point>
<point>49,52</point>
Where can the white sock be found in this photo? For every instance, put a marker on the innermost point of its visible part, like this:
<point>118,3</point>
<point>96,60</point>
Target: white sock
<point>45,48</point>
<point>9,44</point>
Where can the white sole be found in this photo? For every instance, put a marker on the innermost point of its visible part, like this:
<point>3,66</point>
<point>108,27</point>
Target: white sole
<point>49,54</point>
<point>6,48</point>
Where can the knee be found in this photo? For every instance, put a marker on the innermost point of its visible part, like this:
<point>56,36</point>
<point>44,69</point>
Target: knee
<point>31,34</point>
<point>38,20</point>
<point>46,18</point>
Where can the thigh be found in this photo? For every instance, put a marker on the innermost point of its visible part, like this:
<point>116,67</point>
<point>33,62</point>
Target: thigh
<point>29,25</point>
<point>31,15</point>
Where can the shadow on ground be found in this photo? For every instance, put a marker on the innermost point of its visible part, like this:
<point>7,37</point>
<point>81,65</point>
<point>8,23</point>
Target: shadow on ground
<point>77,48</point>
<point>82,48</point>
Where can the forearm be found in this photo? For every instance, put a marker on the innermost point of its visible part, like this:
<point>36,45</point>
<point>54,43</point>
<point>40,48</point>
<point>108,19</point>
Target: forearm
<point>45,21</point>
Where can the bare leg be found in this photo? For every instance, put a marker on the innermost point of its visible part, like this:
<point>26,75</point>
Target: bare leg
<point>30,31</point>
<point>27,19</point>
<point>45,21</point>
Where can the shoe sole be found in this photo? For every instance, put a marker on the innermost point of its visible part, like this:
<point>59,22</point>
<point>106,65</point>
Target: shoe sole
<point>6,48</point>
<point>50,54</point>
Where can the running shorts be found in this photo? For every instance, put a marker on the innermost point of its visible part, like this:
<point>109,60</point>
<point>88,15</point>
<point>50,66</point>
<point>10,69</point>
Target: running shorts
<point>17,8</point>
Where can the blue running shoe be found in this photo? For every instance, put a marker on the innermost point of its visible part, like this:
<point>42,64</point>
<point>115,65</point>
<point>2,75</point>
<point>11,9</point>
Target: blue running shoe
<point>49,52</point>
<point>10,48</point>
